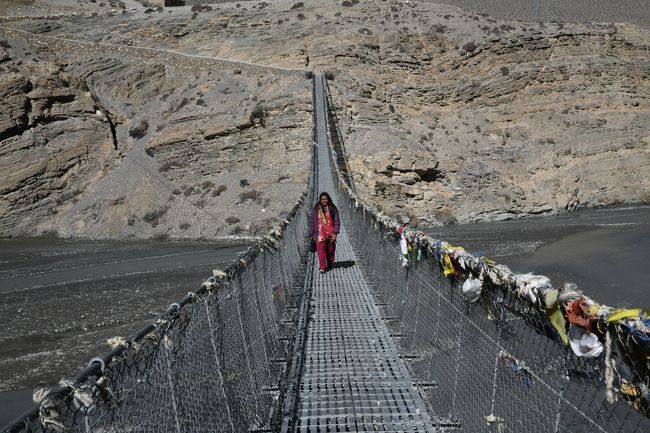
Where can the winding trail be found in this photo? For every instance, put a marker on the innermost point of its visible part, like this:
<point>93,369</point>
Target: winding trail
<point>125,49</point>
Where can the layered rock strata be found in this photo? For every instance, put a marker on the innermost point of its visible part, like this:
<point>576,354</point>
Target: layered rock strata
<point>127,143</point>
<point>447,116</point>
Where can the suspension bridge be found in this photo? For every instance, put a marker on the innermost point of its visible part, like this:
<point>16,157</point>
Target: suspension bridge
<point>389,340</point>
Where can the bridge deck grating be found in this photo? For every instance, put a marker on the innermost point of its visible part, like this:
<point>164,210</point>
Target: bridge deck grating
<point>352,377</point>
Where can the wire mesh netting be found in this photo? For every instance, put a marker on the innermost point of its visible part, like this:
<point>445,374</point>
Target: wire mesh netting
<point>497,362</point>
<point>216,361</point>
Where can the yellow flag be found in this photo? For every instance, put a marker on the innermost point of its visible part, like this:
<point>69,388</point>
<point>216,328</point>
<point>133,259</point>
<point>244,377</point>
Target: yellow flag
<point>555,315</point>
<point>449,268</point>
<point>626,313</point>
<point>557,320</point>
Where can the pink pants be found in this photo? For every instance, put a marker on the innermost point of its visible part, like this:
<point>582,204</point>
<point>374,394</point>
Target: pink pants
<point>325,254</point>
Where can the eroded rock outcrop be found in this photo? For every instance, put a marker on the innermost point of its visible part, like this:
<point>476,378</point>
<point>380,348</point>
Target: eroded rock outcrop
<point>53,141</point>
<point>447,116</point>
<point>143,144</point>
<point>508,119</point>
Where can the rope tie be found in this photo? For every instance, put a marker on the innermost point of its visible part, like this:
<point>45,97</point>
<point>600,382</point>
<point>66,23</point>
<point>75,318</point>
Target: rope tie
<point>105,392</point>
<point>50,418</point>
<point>81,395</point>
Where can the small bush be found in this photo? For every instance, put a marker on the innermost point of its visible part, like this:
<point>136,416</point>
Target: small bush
<point>200,204</point>
<point>5,44</point>
<point>470,46</point>
<point>219,190</point>
<point>297,5</point>
<point>329,75</point>
<point>504,70</point>
<point>250,196</point>
<point>232,220</point>
<point>153,217</point>
<point>259,115</point>
<point>139,130</point>
<point>207,184</point>
<point>184,226</point>
<point>243,183</point>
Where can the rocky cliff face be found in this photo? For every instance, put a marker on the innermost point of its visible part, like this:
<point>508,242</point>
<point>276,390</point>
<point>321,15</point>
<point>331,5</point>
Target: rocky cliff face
<point>446,116</point>
<point>54,141</point>
<point>462,118</point>
<point>109,144</point>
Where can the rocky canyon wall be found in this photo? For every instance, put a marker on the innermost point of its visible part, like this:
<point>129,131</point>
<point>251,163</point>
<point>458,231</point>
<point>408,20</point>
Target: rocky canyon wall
<point>447,116</point>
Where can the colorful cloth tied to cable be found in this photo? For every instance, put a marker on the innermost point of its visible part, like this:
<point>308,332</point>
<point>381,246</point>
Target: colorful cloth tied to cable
<point>581,314</point>
<point>406,248</point>
<point>529,285</point>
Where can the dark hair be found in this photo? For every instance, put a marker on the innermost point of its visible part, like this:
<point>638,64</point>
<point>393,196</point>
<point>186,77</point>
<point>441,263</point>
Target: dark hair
<point>329,199</point>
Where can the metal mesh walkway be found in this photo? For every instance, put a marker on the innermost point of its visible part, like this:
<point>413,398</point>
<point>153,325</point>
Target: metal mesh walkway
<point>352,378</point>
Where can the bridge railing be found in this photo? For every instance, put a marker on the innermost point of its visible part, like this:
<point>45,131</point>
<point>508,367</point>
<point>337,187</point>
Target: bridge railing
<point>494,351</point>
<point>215,361</point>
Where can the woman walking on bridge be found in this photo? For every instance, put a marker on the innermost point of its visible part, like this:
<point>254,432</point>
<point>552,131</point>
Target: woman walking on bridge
<point>324,225</point>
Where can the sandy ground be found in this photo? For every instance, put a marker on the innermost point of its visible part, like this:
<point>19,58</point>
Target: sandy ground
<point>61,300</point>
<point>604,251</point>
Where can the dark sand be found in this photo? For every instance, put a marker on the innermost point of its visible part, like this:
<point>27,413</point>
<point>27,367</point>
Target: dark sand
<point>604,251</point>
<point>61,300</point>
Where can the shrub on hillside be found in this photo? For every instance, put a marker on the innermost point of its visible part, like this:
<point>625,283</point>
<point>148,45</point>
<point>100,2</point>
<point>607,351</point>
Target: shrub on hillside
<point>139,130</point>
